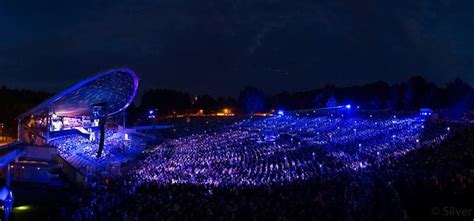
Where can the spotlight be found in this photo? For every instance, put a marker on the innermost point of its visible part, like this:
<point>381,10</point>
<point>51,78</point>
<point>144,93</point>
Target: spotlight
<point>348,106</point>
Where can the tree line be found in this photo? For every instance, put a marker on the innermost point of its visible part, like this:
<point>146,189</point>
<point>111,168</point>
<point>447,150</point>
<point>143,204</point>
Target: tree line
<point>14,102</point>
<point>455,99</point>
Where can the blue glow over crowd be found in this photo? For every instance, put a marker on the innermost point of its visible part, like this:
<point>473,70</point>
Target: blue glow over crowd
<point>263,151</point>
<point>309,165</point>
<point>284,148</point>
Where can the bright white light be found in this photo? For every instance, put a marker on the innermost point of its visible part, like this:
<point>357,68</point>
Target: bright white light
<point>280,112</point>
<point>348,106</point>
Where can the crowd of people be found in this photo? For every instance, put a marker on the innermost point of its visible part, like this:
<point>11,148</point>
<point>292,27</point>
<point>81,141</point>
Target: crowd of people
<point>282,149</point>
<point>294,166</point>
<point>81,152</point>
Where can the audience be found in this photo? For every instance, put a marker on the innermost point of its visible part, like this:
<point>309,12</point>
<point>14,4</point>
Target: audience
<point>294,166</point>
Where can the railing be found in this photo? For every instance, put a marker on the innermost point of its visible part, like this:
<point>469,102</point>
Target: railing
<point>10,152</point>
<point>73,174</point>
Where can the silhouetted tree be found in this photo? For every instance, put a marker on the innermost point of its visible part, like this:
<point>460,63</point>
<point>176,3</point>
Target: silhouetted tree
<point>205,102</point>
<point>332,102</point>
<point>318,100</point>
<point>166,101</point>
<point>458,97</point>
<point>15,102</point>
<point>226,102</point>
<point>252,100</point>
<point>394,100</point>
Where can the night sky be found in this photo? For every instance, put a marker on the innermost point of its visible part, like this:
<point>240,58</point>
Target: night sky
<point>219,46</point>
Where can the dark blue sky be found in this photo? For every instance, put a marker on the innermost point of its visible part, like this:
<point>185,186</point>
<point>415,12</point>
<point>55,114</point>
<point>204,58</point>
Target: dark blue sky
<point>219,46</point>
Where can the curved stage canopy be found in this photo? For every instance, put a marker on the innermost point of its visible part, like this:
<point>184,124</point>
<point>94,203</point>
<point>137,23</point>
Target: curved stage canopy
<point>117,88</point>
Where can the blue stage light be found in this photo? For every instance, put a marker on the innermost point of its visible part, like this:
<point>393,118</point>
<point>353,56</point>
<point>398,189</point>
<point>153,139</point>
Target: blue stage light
<point>280,112</point>
<point>348,106</point>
